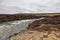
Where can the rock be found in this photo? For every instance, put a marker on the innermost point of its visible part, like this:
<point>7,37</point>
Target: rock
<point>46,24</point>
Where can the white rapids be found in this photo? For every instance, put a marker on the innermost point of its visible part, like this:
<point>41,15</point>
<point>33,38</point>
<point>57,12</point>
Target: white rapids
<point>10,28</point>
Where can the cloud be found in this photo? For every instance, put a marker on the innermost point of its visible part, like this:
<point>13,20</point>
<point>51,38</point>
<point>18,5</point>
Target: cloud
<point>29,6</point>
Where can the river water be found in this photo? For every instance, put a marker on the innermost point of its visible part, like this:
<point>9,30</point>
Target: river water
<point>10,28</point>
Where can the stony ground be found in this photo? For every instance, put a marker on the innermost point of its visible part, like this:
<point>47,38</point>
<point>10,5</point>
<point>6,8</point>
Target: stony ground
<point>39,31</point>
<point>44,29</point>
<point>36,35</point>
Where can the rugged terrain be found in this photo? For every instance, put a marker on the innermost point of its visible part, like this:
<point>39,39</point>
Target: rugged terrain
<point>43,29</point>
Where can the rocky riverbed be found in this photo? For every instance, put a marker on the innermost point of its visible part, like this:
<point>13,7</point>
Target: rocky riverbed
<point>44,29</point>
<point>12,27</point>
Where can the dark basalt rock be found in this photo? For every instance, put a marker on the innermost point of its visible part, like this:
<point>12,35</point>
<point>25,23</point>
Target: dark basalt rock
<point>47,24</point>
<point>7,17</point>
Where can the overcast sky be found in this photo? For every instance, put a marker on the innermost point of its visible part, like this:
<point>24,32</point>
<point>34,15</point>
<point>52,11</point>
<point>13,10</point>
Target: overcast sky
<point>29,6</point>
